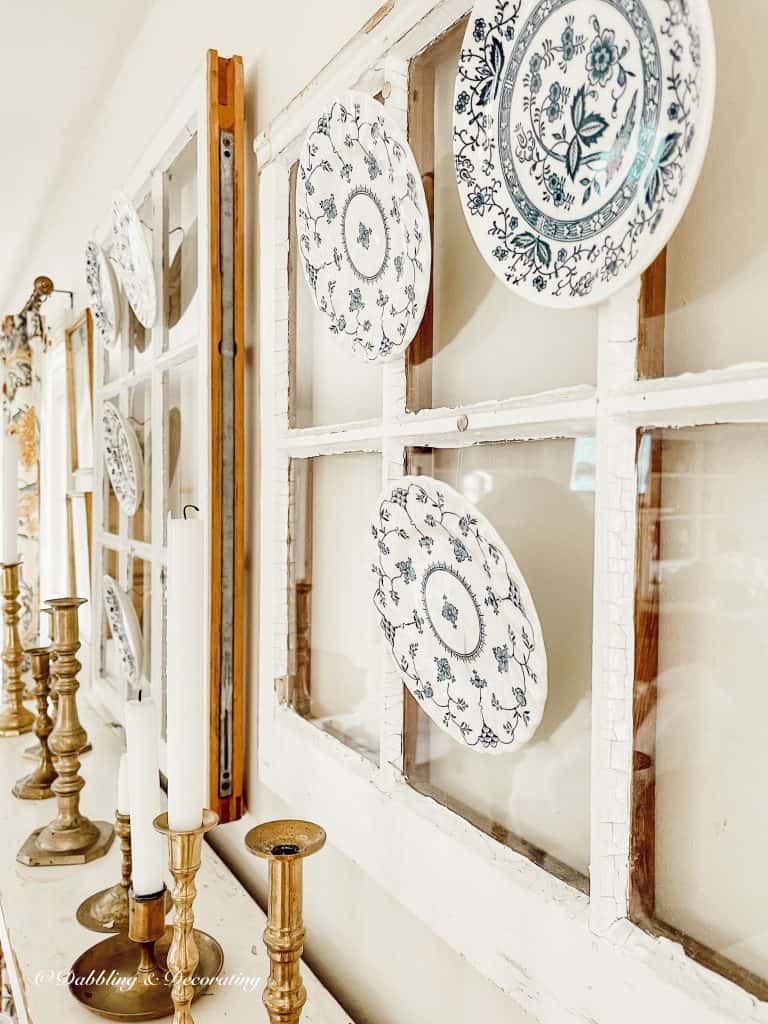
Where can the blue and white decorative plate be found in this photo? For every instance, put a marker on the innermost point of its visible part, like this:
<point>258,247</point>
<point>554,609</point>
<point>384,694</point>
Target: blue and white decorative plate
<point>363,228</point>
<point>123,458</point>
<point>126,631</point>
<point>580,130</point>
<point>133,260</point>
<point>103,294</point>
<point>458,616</point>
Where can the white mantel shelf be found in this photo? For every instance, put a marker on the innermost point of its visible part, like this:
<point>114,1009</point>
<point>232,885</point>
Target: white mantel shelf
<point>39,931</point>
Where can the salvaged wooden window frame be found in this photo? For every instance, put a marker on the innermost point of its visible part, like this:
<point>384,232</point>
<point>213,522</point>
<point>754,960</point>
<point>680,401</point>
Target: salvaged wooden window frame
<point>213,104</point>
<point>563,955</point>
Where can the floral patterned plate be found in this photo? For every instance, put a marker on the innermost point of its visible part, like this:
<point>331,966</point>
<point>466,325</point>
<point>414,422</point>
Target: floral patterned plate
<point>103,294</point>
<point>123,458</point>
<point>363,228</point>
<point>133,260</point>
<point>125,628</point>
<point>580,130</point>
<point>458,616</point>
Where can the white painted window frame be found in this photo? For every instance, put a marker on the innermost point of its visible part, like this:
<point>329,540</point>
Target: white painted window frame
<point>188,119</point>
<point>563,955</point>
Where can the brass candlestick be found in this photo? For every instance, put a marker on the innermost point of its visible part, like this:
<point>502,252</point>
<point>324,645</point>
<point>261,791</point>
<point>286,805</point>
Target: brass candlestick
<point>37,785</point>
<point>107,910</point>
<point>285,844</point>
<point>71,838</point>
<point>31,752</point>
<point>123,977</point>
<point>15,719</point>
<point>187,955</point>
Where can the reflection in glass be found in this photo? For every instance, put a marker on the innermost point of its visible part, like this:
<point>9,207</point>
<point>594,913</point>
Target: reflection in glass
<point>701,702</point>
<point>488,343</point>
<point>718,257</point>
<point>181,445</point>
<point>333,679</point>
<point>141,595</point>
<point>535,799</point>
<point>139,416</point>
<point>110,655</point>
<point>182,312</point>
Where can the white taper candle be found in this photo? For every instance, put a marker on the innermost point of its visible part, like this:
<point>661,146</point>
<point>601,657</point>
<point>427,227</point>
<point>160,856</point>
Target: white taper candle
<point>147,846</point>
<point>187,674</point>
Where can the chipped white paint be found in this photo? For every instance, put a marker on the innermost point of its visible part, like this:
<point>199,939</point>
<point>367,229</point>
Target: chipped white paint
<point>565,957</point>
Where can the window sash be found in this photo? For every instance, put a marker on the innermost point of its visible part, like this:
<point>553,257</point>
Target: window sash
<point>371,811</point>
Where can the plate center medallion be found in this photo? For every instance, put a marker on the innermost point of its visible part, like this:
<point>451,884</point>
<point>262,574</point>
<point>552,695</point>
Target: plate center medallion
<point>453,612</point>
<point>365,234</point>
<point>579,107</point>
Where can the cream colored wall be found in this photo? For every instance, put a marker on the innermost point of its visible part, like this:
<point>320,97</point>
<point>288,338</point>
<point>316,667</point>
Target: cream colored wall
<point>385,966</point>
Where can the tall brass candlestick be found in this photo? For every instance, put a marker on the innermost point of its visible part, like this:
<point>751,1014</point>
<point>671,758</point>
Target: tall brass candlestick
<point>187,953</point>
<point>285,844</point>
<point>71,838</point>
<point>15,719</point>
<point>37,785</point>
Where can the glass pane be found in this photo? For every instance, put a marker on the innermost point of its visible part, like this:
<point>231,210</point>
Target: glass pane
<point>111,508</point>
<point>110,656</point>
<point>113,357</point>
<point>182,310</point>
<point>139,338</point>
<point>141,595</point>
<point>540,498</point>
<point>488,342</point>
<point>181,440</point>
<point>140,411</point>
<point>328,385</point>
<point>701,700</point>
<point>333,678</point>
<point>717,260</point>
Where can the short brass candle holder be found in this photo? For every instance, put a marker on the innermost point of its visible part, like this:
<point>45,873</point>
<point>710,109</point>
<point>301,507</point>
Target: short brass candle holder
<point>37,785</point>
<point>123,977</point>
<point>107,910</point>
<point>15,719</point>
<point>285,844</point>
<point>71,838</point>
<point>192,953</point>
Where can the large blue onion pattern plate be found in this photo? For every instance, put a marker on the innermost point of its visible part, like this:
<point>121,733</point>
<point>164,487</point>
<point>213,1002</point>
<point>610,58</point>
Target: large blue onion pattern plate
<point>457,616</point>
<point>363,228</point>
<point>580,130</point>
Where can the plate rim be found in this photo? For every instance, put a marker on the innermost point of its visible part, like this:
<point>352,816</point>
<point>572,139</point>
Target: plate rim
<point>347,97</point>
<point>531,610</point>
<point>698,153</point>
<point>121,199</point>
<point>136,457</point>
<point>130,621</point>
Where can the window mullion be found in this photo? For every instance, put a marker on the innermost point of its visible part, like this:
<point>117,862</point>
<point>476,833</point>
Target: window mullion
<point>613,631</point>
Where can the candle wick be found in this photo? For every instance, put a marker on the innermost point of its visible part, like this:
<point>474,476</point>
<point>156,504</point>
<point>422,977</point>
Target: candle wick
<point>184,513</point>
<point>140,693</point>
